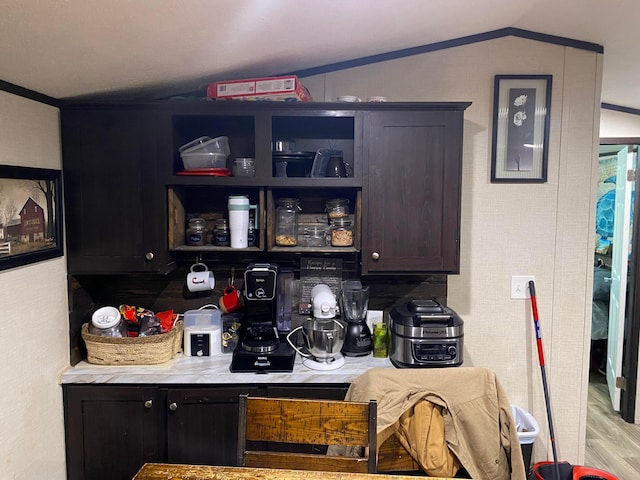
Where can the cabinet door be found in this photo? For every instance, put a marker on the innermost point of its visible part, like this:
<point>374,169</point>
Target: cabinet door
<point>411,195</point>
<point>202,424</point>
<point>110,431</point>
<point>115,208</point>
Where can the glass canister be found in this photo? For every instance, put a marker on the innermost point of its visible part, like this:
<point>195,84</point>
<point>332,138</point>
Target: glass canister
<point>221,233</point>
<point>341,232</point>
<point>107,322</point>
<point>197,232</point>
<point>314,236</point>
<point>337,208</point>
<point>244,167</point>
<point>287,222</point>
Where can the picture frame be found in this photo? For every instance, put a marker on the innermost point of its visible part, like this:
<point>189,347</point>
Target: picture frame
<point>521,111</point>
<point>30,215</point>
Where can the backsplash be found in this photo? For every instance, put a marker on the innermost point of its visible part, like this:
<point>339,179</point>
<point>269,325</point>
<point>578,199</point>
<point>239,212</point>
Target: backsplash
<point>166,292</point>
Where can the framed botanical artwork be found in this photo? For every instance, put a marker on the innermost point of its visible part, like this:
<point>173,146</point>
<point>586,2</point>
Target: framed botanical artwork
<point>30,215</point>
<point>521,110</point>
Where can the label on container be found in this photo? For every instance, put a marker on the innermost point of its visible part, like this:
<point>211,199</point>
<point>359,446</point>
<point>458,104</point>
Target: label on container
<point>195,239</point>
<point>221,238</point>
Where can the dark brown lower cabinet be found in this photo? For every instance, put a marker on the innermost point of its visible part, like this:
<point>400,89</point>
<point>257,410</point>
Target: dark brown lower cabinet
<point>112,430</point>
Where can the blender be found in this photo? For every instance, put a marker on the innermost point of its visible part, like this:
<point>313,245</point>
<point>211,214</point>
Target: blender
<point>355,300</point>
<point>323,334</point>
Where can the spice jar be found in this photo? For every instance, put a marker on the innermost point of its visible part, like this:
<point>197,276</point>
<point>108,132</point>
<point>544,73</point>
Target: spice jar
<point>221,233</point>
<point>197,232</point>
<point>341,232</point>
<point>287,222</point>
<point>337,208</point>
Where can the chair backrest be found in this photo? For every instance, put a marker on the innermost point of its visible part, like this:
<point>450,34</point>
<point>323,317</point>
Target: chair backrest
<point>285,422</point>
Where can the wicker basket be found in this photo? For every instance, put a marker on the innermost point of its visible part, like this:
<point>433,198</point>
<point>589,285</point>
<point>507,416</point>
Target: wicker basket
<point>149,350</point>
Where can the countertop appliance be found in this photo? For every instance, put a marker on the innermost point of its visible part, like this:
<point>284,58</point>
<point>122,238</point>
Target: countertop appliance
<point>323,334</point>
<point>260,349</point>
<point>355,302</point>
<point>425,333</point>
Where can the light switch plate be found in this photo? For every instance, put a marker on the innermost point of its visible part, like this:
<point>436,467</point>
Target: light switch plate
<point>520,286</point>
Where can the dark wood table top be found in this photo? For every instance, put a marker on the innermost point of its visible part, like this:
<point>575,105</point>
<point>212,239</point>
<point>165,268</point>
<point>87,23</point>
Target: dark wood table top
<point>163,471</point>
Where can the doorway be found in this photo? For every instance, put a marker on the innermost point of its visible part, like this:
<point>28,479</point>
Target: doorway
<point>623,329</point>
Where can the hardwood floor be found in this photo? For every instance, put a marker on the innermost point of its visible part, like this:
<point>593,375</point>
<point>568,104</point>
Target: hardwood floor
<point>612,444</point>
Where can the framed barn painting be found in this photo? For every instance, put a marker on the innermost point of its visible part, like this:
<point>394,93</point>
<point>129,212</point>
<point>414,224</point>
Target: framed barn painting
<point>521,110</point>
<point>30,215</point>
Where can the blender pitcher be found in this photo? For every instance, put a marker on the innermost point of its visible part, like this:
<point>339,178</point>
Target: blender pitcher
<point>355,301</point>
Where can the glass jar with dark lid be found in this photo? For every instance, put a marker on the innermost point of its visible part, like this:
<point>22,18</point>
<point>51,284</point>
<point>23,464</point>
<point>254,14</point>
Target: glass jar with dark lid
<point>221,236</point>
<point>196,232</point>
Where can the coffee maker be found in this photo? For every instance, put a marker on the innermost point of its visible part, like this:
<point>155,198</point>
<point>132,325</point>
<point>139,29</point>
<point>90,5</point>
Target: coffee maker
<point>259,348</point>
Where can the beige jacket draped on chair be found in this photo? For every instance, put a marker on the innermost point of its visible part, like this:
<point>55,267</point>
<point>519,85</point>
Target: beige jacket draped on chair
<point>478,426</point>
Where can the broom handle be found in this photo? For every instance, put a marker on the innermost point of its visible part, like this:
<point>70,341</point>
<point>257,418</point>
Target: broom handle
<point>534,308</point>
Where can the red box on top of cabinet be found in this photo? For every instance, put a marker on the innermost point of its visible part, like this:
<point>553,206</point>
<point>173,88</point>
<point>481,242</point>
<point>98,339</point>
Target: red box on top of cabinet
<point>285,88</point>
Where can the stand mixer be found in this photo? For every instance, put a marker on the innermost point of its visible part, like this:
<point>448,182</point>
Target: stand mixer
<point>323,334</point>
<point>355,301</point>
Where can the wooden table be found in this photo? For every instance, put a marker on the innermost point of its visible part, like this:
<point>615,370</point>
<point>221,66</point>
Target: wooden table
<point>164,471</point>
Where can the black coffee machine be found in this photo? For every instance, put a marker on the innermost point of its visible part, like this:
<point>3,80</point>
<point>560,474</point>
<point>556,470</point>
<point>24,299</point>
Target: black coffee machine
<point>260,349</point>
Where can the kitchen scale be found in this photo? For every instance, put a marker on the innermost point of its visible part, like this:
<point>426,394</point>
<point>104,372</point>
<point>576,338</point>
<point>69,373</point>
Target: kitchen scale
<point>259,348</point>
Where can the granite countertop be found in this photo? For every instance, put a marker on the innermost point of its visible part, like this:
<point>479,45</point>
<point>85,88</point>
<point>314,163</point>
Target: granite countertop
<point>214,370</point>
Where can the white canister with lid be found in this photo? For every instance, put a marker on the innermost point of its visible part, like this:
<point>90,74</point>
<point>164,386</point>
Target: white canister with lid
<point>107,322</point>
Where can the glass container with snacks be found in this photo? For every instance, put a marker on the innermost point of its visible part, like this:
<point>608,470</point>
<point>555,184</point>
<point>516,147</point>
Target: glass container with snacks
<point>342,232</point>
<point>107,322</point>
<point>337,208</point>
<point>287,222</point>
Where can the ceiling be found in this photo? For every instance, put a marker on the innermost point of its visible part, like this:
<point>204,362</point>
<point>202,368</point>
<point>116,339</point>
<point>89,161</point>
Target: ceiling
<point>71,48</point>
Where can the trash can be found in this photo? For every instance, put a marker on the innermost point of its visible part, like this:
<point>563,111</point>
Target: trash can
<point>528,430</point>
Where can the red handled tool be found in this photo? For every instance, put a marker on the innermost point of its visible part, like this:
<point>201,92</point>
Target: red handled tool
<point>534,308</point>
<point>555,470</point>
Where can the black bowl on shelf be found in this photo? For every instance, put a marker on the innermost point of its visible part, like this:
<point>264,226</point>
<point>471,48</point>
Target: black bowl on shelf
<point>297,164</point>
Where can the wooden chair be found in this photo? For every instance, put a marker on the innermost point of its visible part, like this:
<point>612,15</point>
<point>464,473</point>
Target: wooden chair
<point>286,424</point>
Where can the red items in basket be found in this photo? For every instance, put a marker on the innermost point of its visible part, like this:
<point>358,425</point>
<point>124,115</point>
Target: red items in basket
<point>143,322</point>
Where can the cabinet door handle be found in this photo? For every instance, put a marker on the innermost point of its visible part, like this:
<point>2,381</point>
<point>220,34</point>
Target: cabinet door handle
<point>375,256</point>
<point>148,404</point>
<point>173,406</point>
<point>149,256</point>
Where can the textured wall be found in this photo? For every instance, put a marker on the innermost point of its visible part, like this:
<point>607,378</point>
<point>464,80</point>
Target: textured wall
<point>619,124</point>
<point>544,230</point>
<point>33,303</point>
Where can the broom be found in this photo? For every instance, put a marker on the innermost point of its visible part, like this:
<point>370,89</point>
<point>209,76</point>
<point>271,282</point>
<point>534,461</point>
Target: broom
<point>534,308</point>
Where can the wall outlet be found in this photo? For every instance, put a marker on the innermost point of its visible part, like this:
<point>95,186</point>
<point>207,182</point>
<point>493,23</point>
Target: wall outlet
<point>374,316</point>
<point>520,286</point>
